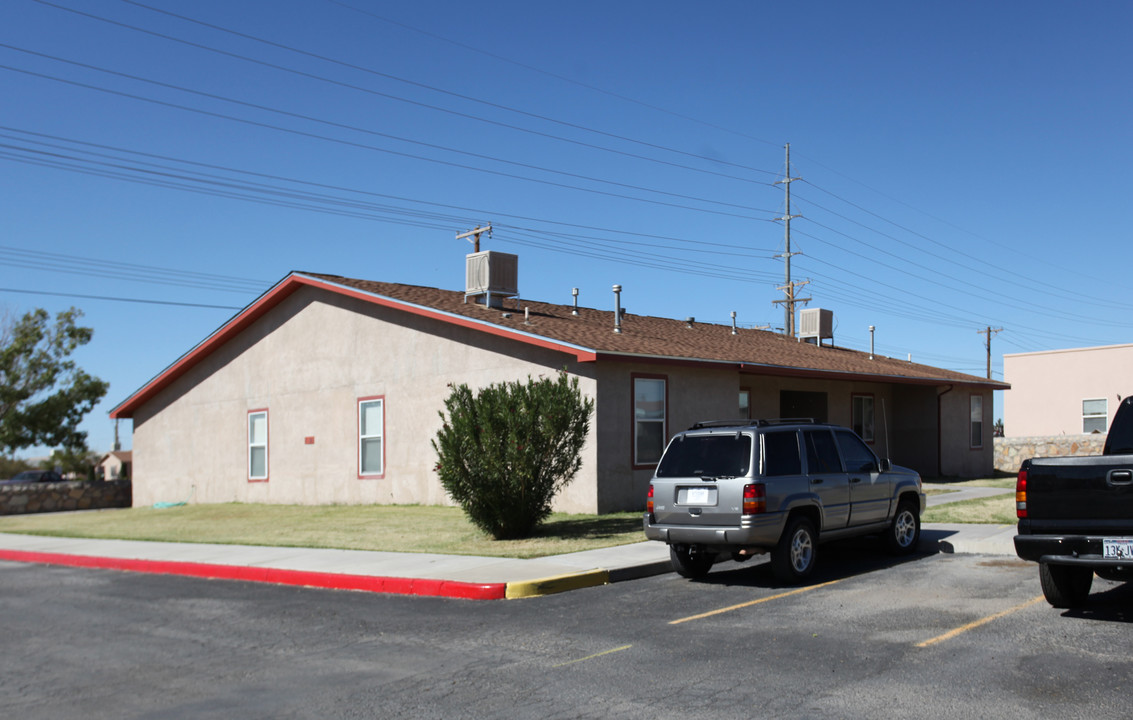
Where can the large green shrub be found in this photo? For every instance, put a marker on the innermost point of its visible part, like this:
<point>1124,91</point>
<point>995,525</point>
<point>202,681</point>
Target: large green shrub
<point>505,452</point>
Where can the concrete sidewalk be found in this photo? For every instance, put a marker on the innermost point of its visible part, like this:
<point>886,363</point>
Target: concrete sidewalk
<point>457,576</point>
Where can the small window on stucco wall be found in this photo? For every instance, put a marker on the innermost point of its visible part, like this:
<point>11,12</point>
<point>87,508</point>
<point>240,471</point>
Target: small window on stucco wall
<point>862,410</point>
<point>977,421</point>
<point>371,434</point>
<point>258,445</point>
<point>649,412</point>
<point>1095,415</point>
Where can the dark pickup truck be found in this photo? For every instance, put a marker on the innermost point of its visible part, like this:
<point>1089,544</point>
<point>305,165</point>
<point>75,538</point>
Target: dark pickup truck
<point>1076,515</point>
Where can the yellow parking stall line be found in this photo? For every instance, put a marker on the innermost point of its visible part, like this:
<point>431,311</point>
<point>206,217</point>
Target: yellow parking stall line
<point>741,606</point>
<point>595,655</point>
<point>976,623</point>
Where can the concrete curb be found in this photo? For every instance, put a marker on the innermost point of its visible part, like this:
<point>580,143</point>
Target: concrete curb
<point>557,584</point>
<point>276,576</point>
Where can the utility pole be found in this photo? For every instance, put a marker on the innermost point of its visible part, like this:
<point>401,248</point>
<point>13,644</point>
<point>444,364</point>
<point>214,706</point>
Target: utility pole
<point>476,234</point>
<point>790,287</point>
<point>989,332</point>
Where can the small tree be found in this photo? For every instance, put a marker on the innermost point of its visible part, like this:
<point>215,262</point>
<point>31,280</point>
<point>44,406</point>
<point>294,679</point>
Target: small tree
<point>505,452</point>
<point>43,394</point>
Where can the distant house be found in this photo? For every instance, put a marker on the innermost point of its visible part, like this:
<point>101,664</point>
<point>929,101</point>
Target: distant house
<point>1065,392</point>
<point>327,389</point>
<point>116,464</point>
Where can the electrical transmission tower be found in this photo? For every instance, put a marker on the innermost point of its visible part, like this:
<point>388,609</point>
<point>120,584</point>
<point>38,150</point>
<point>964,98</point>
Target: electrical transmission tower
<point>789,287</point>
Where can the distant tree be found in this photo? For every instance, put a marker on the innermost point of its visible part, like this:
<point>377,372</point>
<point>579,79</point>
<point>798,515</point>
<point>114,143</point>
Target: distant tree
<point>505,452</point>
<point>79,464</point>
<point>43,395</point>
<point>10,466</point>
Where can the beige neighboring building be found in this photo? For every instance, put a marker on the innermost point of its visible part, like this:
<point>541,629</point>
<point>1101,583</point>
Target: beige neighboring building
<point>116,464</point>
<point>1065,392</point>
<point>328,389</point>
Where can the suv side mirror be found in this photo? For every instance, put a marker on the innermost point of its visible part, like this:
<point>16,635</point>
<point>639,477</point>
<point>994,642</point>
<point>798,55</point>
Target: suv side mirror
<point>886,465</point>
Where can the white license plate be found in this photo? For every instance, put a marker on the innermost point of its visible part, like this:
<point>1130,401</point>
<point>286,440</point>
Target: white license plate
<point>697,496</point>
<point>1117,549</point>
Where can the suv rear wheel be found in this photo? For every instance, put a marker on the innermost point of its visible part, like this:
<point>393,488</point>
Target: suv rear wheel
<point>690,561</point>
<point>794,556</point>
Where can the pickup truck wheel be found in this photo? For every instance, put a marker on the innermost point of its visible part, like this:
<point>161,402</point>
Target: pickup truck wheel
<point>690,561</point>
<point>905,532</point>
<point>794,555</point>
<point>1065,586</point>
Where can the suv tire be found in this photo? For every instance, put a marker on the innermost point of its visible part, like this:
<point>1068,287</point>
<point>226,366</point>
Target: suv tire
<point>690,561</point>
<point>1065,586</point>
<point>904,532</point>
<point>794,555</point>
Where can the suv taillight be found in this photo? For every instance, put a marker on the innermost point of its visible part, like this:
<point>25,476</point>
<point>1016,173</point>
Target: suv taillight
<point>1021,495</point>
<point>755,499</point>
<point>649,501</point>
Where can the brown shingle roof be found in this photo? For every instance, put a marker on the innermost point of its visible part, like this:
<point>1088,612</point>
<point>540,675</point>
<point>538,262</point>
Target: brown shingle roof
<point>643,335</point>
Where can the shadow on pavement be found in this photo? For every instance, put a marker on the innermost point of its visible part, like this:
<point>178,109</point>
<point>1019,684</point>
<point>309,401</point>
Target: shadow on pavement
<point>1109,602</point>
<point>836,561</point>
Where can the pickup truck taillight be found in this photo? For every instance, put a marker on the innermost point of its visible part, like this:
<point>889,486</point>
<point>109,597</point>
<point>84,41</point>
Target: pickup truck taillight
<point>649,501</point>
<point>1021,495</point>
<point>755,499</point>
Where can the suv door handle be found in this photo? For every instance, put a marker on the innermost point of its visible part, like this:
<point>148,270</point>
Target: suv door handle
<point>855,479</point>
<point>816,481</point>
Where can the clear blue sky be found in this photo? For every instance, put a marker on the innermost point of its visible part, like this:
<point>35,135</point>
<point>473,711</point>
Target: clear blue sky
<point>963,164</point>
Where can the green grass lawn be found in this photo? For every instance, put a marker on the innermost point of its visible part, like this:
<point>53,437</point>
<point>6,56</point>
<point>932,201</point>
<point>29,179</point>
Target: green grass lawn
<point>402,528</point>
<point>396,528</point>
<point>998,510</point>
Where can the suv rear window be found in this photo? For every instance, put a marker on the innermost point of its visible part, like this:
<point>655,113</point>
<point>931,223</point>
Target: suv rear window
<point>699,455</point>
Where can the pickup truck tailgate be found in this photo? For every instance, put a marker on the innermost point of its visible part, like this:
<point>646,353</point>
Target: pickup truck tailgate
<point>1080,488</point>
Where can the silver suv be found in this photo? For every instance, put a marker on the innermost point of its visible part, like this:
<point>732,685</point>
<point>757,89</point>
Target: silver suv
<point>780,486</point>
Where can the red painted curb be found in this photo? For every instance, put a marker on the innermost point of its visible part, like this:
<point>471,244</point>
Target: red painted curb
<point>334,581</point>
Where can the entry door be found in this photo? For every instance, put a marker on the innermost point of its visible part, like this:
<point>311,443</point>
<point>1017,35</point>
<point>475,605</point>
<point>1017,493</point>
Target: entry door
<point>869,487</point>
<point>800,404</point>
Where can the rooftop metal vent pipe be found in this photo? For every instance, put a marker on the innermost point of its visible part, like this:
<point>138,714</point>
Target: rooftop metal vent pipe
<point>574,292</point>
<point>689,322</point>
<point>617,308</point>
<point>871,329</point>
<point>733,322</point>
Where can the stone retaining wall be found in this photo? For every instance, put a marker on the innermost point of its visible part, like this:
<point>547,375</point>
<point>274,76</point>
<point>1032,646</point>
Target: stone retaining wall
<point>1011,452</point>
<point>53,497</point>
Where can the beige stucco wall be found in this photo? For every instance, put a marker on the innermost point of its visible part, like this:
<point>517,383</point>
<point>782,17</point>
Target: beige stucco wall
<point>1047,388</point>
<point>308,361</point>
<point>957,456</point>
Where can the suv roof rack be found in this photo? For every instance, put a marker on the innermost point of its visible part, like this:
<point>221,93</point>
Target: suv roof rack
<point>761,422</point>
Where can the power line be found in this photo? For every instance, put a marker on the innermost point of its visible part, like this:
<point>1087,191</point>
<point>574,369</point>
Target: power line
<point>370,91</point>
<point>122,299</point>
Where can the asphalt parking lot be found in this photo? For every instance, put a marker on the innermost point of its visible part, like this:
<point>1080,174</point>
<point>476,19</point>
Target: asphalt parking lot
<point>935,635</point>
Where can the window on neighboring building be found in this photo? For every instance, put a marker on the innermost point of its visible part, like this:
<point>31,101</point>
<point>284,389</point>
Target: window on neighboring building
<point>371,432</point>
<point>648,420</point>
<point>745,404</point>
<point>258,445</point>
<point>1095,415</point>
<point>977,420</point>
<point>862,409</point>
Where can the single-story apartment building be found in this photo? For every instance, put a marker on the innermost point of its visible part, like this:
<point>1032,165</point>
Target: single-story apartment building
<point>328,389</point>
<point>1065,392</point>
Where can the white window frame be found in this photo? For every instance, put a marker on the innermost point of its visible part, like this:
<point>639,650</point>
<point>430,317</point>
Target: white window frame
<point>365,433</point>
<point>1103,415</point>
<point>254,445</point>
<point>662,421</point>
